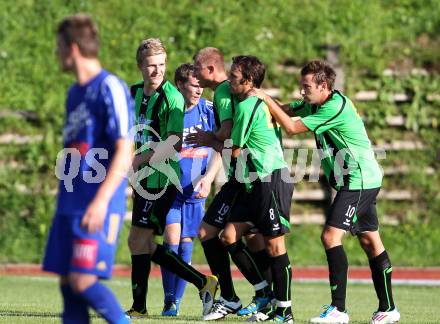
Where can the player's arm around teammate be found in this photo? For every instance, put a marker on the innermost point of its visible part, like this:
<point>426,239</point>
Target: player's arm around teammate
<point>210,70</point>
<point>159,117</point>
<point>333,119</point>
<point>269,199</point>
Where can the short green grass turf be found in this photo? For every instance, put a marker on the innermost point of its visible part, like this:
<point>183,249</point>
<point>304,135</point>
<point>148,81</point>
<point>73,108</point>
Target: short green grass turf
<point>37,300</point>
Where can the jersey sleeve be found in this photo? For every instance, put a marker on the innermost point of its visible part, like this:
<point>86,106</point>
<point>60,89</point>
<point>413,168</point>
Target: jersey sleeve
<point>300,108</point>
<point>222,103</point>
<point>176,113</point>
<point>328,116</point>
<point>240,132</point>
<point>119,108</point>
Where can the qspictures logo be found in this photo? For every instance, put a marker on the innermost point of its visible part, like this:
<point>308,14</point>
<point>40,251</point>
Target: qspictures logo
<point>77,164</point>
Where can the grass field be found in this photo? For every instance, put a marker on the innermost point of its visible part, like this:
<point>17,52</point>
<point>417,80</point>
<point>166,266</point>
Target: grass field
<point>36,300</point>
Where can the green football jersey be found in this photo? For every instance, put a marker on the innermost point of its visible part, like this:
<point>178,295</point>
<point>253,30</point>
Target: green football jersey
<point>347,157</point>
<point>224,108</point>
<point>254,128</point>
<point>224,103</point>
<point>159,114</point>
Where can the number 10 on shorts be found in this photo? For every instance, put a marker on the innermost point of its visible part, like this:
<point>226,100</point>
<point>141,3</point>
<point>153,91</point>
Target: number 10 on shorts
<point>349,214</point>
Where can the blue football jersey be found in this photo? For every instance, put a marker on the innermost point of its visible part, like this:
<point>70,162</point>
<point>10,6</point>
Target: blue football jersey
<point>97,115</point>
<point>193,160</point>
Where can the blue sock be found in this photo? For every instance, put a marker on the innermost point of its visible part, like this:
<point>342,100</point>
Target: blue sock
<point>102,300</point>
<point>168,277</point>
<point>185,252</point>
<point>75,308</point>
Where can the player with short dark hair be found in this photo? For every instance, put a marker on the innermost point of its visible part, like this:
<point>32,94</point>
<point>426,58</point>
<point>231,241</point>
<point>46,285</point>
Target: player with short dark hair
<point>198,165</point>
<point>91,206</point>
<point>260,164</point>
<point>350,166</point>
<point>210,70</point>
<point>183,74</point>
<point>251,68</point>
<point>159,109</point>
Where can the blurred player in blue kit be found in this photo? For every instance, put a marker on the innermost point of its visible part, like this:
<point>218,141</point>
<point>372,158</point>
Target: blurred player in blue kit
<point>91,203</point>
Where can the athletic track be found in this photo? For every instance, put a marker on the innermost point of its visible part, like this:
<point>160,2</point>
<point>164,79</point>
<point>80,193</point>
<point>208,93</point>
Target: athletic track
<point>401,275</point>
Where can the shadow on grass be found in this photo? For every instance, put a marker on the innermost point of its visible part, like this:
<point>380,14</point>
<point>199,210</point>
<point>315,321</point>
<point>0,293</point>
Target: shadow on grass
<point>15,313</point>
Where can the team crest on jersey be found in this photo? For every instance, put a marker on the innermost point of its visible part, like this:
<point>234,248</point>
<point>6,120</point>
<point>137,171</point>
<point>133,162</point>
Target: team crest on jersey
<point>143,121</point>
<point>84,253</point>
<point>141,128</point>
<point>142,138</point>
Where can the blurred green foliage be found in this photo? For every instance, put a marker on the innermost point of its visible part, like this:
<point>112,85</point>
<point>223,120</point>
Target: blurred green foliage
<point>372,35</point>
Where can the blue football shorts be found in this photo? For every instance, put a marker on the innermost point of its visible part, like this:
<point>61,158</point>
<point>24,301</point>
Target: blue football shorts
<point>188,214</point>
<point>70,248</point>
